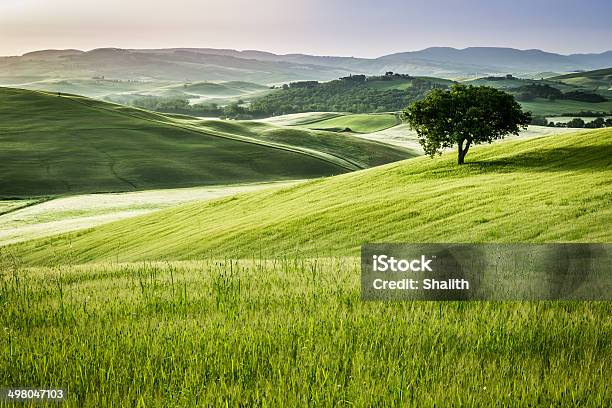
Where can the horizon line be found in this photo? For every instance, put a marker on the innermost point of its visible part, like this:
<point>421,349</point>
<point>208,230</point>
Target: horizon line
<point>302,53</point>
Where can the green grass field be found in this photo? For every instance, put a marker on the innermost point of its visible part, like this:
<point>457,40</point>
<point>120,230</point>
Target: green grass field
<point>523,183</point>
<point>22,220</point>
<point>126,91</point>
<point>360,123</point>
<point>560,185</point>
<point>7,206</point>
<point>300,118</point>
<point>600,79</point>
<point>265,309</point>
<point>68,144</point>
<point>288,332</point>
<point>221,93</point>
<point>351,149</point>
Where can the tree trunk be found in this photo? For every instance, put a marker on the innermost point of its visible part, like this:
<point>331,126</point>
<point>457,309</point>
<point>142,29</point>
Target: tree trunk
<point>462,150</point>
<point>460,154</point>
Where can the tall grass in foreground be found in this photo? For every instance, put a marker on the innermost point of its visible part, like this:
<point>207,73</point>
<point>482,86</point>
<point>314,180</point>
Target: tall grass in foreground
<point>287,332</point>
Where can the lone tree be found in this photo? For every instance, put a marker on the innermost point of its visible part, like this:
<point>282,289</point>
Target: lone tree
<point>464,115</point>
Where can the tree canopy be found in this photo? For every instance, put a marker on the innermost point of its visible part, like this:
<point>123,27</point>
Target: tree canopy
<point>357,94</point>
<point>464,115</point>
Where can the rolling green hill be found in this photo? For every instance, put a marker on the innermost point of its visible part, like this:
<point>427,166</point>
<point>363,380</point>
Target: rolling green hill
<point>94,88</point>
<point>569,93</point>
<point>598,79</point>
<point>231,88</point>
<point>285,326</point>
<point>550,189</point>
<point>351,149</point>
<point>67,144</point>
<point>220,93</point>
<point>361,123</point>
<point>303,118</point>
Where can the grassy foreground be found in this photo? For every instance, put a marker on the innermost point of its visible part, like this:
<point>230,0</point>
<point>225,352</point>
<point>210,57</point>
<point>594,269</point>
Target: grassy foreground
<point>289,332</point>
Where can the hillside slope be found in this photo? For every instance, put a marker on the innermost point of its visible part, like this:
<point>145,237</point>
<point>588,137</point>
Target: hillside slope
<point>550,189</point>
<point>598,79</point>
<point>67,144</point>
<point>362,123</point>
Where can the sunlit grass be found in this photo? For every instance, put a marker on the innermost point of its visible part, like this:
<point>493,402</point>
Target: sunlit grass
<point>287,332</point>
<point>265,310</point>
<point>552,189</point>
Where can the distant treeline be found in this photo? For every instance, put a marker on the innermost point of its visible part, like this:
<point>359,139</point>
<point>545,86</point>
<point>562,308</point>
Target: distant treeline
<point>532,91</point>
<point>573,123</point>
<point>357,93</point>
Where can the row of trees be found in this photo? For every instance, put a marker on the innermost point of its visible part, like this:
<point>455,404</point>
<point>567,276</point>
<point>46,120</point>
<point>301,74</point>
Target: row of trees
<point>598,122</point>
<point>532,91</point>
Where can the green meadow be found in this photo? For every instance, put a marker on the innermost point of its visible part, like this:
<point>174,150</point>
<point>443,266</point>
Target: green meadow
<point>243,289</point>
<point>22,220</point>
<point>361,123</point>
<point>548,189</point>
<point>67,144</point>
<point>96,88</point>
<point>254,299</point>
<point>288,332</point>
<point>301,118</point>
<point>600,79</point>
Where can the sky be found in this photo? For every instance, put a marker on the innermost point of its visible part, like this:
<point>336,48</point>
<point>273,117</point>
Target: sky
<point>359,28</point>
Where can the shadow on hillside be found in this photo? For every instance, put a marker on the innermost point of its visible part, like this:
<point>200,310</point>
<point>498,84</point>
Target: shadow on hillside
<point>561,159</point>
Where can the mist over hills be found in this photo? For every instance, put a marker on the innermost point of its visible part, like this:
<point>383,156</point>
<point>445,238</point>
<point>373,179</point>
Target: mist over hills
<point>180,64</point>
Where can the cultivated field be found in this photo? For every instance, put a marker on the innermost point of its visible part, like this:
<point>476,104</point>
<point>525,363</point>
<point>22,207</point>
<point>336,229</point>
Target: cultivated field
<point>600,79</point>
<point>301,118</point>
<point>360,123</point>
<point>54,216</point>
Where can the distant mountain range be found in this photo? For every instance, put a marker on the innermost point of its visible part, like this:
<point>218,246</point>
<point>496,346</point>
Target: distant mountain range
<point>180,64</point>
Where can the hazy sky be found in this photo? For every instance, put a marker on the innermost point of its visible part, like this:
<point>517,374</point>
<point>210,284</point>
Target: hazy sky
<point>324,27</point>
